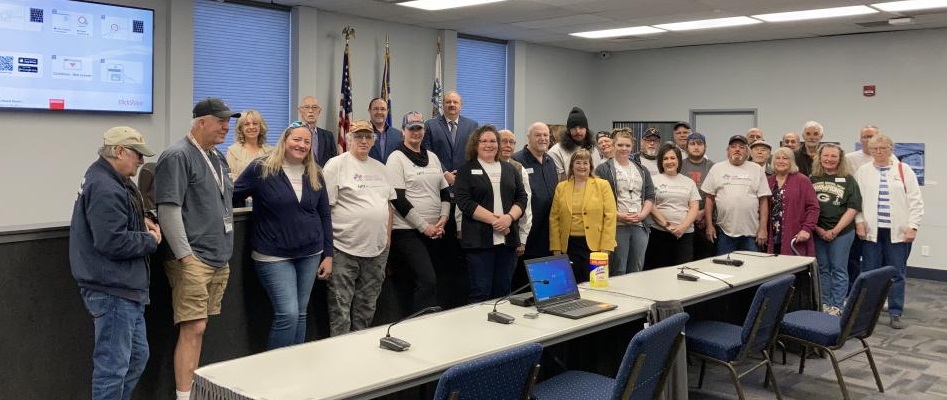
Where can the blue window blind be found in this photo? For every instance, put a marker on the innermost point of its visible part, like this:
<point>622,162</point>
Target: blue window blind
<point>241,55</point>
<point>481,80</point>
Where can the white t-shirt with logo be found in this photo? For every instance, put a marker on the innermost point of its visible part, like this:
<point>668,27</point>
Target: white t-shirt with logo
<point>358,196</point>
<point>736,191</point>
<point>628,182</point>
<point>422,187</point>
<point>672,197</point>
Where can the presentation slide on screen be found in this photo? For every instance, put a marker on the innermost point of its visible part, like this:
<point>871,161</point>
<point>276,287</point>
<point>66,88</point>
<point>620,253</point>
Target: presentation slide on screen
<point>72,55</point>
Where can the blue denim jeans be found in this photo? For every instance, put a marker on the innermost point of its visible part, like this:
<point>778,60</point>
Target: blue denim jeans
<point>883,253</point>
<point>855,260</point>
<point>833,267</point>
<point>288,285</point>
<point>121,344</point>
<point>728,244</point>
<point>632,246</point>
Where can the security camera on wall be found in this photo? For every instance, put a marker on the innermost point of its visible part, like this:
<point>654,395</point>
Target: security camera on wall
<point>604,55</point>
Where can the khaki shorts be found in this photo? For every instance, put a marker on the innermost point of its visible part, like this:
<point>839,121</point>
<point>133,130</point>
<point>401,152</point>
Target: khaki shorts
<point>197,289</point>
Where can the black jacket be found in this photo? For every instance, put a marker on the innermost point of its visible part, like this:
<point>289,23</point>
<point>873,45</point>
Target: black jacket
<point>476,190</point>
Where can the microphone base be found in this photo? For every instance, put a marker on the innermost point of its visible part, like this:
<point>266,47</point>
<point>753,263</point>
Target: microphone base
<point>500,318</point>
<point>523,299</point>
<point>393,344</point>
<point>731,262</point>
<point>687,277</point>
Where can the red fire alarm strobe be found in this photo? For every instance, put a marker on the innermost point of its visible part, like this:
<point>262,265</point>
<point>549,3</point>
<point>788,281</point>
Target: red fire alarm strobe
<point>868,90</point>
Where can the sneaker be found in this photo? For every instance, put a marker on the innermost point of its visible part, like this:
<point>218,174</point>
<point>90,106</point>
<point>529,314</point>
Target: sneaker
<point>826,308</point>
<point>834,311</point>
<point>896,322</point>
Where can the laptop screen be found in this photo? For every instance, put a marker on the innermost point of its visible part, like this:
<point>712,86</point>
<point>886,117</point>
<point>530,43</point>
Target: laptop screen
<point>558,272</point>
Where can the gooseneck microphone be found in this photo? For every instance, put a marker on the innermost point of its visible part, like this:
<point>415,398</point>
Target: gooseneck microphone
<point>501,318</point>
<point>394,344</point>
<point>683,267</point>
<point>733,262</point>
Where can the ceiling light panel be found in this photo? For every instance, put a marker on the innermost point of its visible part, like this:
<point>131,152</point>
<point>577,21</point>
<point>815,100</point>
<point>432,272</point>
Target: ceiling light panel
<point>836,12</point>
<point>709,24</point>
<point>910,5</point>
<point>437,5</point>
<point>609,33</point>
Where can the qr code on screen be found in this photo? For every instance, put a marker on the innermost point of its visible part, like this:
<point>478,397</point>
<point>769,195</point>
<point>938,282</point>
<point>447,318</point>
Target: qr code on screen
<point>6,63</point>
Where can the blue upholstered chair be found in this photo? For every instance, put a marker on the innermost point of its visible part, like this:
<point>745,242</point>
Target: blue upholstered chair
<point>857,321</point>
<point>728,344</point>
<point>507,375</point>
<point>641,375</point>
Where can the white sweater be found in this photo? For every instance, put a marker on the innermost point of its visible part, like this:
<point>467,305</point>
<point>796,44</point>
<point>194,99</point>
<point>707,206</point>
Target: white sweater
<point>907,206</point>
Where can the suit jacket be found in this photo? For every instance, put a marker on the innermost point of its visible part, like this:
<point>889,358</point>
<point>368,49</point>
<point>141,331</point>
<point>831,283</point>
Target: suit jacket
<point>328,147</point>
<point>599,214</point>
<point>476,190</point>
<point>393,138</point>
<point>437,139</point>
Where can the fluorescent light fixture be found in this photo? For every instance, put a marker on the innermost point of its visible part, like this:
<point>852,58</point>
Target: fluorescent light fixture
<point>834,12</point>
<point>610,33</point>
<point>437,5</point>
<point>910,5</point>
<point>709,23</point>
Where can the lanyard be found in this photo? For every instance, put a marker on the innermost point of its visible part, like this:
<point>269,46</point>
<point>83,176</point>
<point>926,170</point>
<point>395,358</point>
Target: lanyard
<point>218,178</point>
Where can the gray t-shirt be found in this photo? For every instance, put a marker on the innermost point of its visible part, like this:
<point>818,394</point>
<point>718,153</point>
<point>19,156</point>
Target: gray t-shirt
<point>736,191</point>
<point>697,172</point>
<point>183,178</point>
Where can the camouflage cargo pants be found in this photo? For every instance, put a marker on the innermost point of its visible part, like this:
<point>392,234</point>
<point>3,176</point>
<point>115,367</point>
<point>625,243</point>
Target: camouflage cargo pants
<point>353,290</point>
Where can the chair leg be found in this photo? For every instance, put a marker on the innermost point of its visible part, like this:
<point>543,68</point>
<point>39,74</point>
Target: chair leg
<point>700,378</point>
<point>802,358</point>
<point>874,369</point>
<point>772,375</point>
<point>838,374</point>
<point>736,381</point>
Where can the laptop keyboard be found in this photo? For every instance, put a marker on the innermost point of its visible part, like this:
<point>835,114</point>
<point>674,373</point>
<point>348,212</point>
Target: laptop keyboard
<point>571,305</point>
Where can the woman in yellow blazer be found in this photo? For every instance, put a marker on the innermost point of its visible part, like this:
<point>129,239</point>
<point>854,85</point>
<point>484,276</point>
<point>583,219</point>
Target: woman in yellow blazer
<point>583,216</point>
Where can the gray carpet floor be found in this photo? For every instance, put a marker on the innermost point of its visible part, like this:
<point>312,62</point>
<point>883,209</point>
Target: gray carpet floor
<point>912,362</point>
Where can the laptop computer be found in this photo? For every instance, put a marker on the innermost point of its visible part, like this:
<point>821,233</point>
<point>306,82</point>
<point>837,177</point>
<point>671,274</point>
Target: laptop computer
<point>561,295</point>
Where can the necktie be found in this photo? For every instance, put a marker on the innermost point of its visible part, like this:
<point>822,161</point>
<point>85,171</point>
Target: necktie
<point>453,131</point>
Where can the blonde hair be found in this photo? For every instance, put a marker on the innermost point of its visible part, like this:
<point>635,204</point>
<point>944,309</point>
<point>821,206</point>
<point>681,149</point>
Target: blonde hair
<point>580,154</point>
<point>273,163</point>
<point>843,168</point>
<point>241,137</point>
<point>788,153</point>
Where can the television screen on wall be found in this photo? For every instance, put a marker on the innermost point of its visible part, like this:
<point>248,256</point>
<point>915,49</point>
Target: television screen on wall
<point>76,56</point>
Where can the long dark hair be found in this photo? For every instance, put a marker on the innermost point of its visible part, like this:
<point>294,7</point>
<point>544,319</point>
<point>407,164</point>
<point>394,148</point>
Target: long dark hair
<point>568,143</point>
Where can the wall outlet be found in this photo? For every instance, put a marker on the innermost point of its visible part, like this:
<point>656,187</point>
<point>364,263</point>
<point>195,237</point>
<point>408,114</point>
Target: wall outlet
<point>926,251</point>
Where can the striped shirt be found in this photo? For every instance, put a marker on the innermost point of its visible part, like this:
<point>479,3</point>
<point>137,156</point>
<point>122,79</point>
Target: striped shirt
<point>884,199</point>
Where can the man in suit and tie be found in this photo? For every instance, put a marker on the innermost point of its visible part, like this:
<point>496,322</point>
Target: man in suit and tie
<point>324,145</point>
<point>387,138</point>
<point>447,135</point>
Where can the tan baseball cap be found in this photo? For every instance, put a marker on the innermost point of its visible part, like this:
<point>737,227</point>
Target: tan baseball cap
<point>127,137</point>
<point>361,125</point>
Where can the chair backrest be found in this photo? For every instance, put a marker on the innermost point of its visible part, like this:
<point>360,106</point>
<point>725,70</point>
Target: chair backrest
<point>508,375</point>
<point>648,359</point>
<point>766,313</point>
<point>865,300</point>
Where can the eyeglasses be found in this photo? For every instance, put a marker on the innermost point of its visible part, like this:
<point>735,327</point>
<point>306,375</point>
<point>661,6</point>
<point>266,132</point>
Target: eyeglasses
<point>363,136</point>
<point>879,148</point>
<point>310,108</point>
<point>508,141</point>
<point>296,124</point>
<point>485,141</point>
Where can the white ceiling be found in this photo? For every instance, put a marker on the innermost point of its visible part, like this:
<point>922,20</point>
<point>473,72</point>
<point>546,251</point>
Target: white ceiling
<point>549,22</point>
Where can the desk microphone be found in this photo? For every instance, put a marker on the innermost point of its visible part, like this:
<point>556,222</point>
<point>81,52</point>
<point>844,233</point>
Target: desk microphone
<point>501,318</point>
<point>683,267</point>
<point>728,261</point>
<point>394,344</point>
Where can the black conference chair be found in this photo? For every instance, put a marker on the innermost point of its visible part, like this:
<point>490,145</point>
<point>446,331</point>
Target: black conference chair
<point>858,319</point>
<point>642,373</point>
<point>728,344</point>
<point>508,375</point>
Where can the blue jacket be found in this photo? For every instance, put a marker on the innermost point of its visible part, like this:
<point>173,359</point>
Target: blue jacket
<point>284,226</point>
<point>543,179</point>
<point>393,139</point>
<point>437,139</point>
<point>108,244</point>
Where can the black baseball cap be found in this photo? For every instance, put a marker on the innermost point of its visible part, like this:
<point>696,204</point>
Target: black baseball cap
<point>680,124</point>
<point>213,106</point>
<point>737,138</point>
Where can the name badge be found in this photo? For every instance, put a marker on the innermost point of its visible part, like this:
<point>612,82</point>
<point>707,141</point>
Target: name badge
<point>228,224</point>
<point>476,172</point>
<point>839,180</point>
<point>529,171</point>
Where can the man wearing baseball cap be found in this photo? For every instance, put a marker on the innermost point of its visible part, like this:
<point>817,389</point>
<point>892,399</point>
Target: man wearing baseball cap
<point>110,240</point>
<point>648,157</point>
<point>760,153</point>
<point>739,191</point>
<point>681,131</point>
<point>696,165</point>
<point>194,194</point>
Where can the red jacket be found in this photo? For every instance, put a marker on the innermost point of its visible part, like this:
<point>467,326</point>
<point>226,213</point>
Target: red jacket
<point>800,212</point>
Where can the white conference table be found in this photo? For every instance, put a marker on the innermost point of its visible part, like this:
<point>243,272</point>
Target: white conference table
<point>353,366</point>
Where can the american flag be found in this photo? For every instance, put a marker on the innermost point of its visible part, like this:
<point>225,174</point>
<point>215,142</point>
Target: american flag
<point>386,83</point>
<point>345,103</point>
<point>437,91</point>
